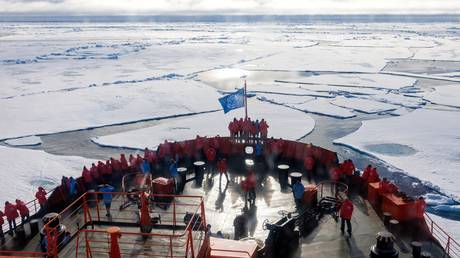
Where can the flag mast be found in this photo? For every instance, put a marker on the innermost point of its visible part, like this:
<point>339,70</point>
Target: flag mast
<point>245,101</point>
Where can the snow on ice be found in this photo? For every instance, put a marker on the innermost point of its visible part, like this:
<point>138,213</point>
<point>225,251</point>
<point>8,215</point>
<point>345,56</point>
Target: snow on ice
<point>28,169</point>
<point>448,95</point>
<point>424,143</point>
<point>25,141</point>
<point>363,105</point>
<point>99,106</point>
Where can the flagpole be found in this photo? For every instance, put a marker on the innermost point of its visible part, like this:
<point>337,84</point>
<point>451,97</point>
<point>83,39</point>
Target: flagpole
<point>245,100</point>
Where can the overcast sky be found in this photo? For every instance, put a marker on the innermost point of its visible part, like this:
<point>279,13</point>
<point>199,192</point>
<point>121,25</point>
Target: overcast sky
<point>155,7</point>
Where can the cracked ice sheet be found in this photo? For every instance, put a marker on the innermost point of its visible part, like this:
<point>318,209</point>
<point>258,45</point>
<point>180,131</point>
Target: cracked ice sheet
<point>363,105</point>
<point>424,143</point>
<point>378,81</point>
<point>279,118</point>
<point>25,141</point>
<point>446,50</point>
<point>399,99</point>
<point>152,62</point>
<point>324,107</point>
<point>328,58</point>
<point>388,41</point>
<point>36,168</point>
<point>308,104</point>
<point>448,95</point>
<point>287,89</point>
<point>99,106</point>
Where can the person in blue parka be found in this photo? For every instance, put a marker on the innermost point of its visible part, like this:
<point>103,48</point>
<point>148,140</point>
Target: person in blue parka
<point>297,190</point>
<point>145,166</point>
<point>107,191</point>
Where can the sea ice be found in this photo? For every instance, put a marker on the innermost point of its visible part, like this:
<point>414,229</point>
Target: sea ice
<point>25,141</point>
<point>284,123</point>
<point>363,105</point>
<point>24,170</point>
<point>379,81</point>
<point>423,143</point>
<point>448,95</point>
<point>99,106</point>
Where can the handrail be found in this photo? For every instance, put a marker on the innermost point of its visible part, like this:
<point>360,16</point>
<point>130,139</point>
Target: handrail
<point>30,204</point>
<point>449,244</point>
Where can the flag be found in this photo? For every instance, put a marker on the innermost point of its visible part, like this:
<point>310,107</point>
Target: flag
<point>232,101</point>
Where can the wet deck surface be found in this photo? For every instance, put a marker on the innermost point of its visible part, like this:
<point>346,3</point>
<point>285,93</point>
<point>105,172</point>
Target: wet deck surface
<point>224,201</point>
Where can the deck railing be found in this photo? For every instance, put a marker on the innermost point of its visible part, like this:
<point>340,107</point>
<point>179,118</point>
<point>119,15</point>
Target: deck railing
<point>34,208</point>
<point>178,237</point>
<point>450,245</point>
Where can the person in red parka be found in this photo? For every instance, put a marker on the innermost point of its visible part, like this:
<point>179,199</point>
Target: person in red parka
<point>211,157</point>
<point>251,184</point>
<point>309,164</point>
<point>87,178</point>
<point>2,236</point>
<point>374,176</point>
<point>11,214</point>
<point>23,210</point>
<point>263,129</point>
<point>346,211</point>
<point>41,197</point>
<point>94,173</point>
<point>222,168</point>
<point>124,163</point>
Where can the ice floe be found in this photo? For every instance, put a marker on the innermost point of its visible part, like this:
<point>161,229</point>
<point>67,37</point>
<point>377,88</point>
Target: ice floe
<point>99,106</point>
<point>24,170</point>
<point>25,141</point>
<point>363,105</point>
<point>431,146</point>
<point>284,123</point>
<point>324,58</point>
<point>379,81</point>
<point>448,95</point>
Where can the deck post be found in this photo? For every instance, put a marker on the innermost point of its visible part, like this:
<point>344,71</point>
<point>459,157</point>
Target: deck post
<point>114,246</point>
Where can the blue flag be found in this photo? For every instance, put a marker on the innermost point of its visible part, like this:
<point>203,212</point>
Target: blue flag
<point>232,101</point>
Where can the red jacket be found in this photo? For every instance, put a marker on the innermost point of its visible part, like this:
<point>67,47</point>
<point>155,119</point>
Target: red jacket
<point>86,175</point>
<point>309,163</point>
<point>22,208</point>
<point>366,173</point>
<point>222,166</point>
<point>373,176</point>
<point>41,196</point>
<point>123,162</point>
<point>1,219</point>
<point>346,210</point>
<point>251,180</point>
<point>211,154</point>
<point>11,212</point>
<point>94,172</point>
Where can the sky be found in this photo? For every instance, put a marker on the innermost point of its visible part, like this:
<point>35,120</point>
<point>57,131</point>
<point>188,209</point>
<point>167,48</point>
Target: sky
<point>159,7</point>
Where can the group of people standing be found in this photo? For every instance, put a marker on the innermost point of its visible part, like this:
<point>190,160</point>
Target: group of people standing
<point>248,129</point>
<point>18,209</point>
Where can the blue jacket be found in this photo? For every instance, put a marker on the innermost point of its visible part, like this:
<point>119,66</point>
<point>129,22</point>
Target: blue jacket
<point>145,167</point>
<point>259,149</point>
<point>72,186</point>
<point>173,170</point>
<point>107,197</point>
<point>298,190</point>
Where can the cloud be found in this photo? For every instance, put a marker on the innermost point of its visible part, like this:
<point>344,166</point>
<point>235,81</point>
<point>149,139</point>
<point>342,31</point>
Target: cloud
<point>229,6</point>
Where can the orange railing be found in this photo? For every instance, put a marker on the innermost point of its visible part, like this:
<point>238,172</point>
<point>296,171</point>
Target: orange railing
<point>450,245</point>
<point>34,208</point>
<point>175,236</point>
